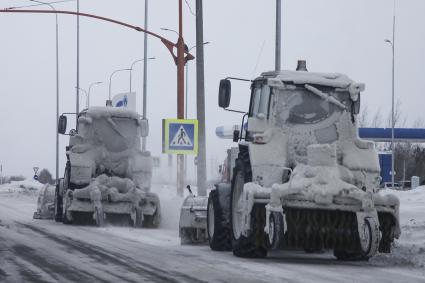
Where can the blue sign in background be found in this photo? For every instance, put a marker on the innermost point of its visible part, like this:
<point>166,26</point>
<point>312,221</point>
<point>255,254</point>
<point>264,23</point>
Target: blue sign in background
<point>174,130</point>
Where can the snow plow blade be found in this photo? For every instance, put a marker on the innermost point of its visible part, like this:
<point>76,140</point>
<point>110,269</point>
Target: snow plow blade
<point>193,220</point>
<point>112,200</point>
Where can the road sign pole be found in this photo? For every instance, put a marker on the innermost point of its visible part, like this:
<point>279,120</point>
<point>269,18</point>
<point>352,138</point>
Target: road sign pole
<point>180,97</point>
<point>201,169</point>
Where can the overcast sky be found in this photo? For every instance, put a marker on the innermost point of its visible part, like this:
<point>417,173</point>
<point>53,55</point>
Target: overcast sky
<point>332,35</point>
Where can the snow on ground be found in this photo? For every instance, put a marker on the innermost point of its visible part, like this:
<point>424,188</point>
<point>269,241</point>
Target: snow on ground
<point>21,188</point>
<point>163,250</point>
<point>409,250</point>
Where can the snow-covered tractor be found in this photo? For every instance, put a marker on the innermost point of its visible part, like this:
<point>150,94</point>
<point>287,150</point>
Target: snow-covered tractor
<point>107,176</point>
<point>193,220</point>
<point>302,177</point>
<point>45,203</point>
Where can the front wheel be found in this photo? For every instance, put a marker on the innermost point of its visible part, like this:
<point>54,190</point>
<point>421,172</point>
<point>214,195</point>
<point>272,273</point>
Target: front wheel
<point>276,230</point>
<point>252,245</point>
<point>369,238</point>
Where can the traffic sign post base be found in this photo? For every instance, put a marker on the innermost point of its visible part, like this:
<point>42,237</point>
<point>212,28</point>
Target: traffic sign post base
<point>180,175</point>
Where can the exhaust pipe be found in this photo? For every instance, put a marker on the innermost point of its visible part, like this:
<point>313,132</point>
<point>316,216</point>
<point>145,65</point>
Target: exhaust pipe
<point>302,66</point>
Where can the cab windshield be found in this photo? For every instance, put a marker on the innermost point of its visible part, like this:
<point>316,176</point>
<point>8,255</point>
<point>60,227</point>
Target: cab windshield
<point>116,134</point>
<point>306,107</point>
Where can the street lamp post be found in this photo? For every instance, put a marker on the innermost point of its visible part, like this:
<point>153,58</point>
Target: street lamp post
<point>145,71</point>
<point>78,59</point>
<point>180,61</point>
<point>278,35</point>
<point>88,94</point>
<point>132,67</point>
<point>110,81</point>
<point>392,43</point>
<point>57,87</point>
<point>168,29</point>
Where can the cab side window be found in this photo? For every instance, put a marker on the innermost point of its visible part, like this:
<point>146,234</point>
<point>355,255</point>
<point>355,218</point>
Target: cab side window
<point>260,101</point>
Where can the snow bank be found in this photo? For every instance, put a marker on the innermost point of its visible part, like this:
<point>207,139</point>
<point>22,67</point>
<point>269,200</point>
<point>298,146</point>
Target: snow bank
<point>18,188</point>
<point>409,250</point>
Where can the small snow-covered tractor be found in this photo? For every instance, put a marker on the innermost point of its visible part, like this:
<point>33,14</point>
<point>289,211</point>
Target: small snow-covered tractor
<point>193,220</point>
<point>45,203</point>
<point>302,177</point>
<point>107,176</point>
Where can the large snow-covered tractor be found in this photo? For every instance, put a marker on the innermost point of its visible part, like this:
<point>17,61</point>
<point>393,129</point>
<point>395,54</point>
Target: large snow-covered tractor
<point>107,176</point>
<point>302,177</point>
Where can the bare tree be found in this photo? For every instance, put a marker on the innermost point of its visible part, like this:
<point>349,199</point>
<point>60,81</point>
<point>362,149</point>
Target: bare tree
<point>398,119</point>
<point>363,118</point>
<point>377,119</point>
<point>419,123</point>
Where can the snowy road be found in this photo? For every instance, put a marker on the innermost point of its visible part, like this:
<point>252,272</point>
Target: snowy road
<point>45,251</point>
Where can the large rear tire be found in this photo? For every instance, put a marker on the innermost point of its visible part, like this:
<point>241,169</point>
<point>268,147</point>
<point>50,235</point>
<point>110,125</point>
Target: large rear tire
<point>66,215</point>
<point>150,221</point>
<point>254,244</point>
<point>58,204</point>
<point>217,230</point>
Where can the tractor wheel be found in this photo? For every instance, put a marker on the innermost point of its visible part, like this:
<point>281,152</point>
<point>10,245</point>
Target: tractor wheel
<point>252,245</point>
<point>58,206</point>
<point>368,245</point>
<point>276,230</point>
<point>138,222</point>
<point>66,215</point>
<point>99,217</point>
<point>217,230</point>
<point>150,221</point>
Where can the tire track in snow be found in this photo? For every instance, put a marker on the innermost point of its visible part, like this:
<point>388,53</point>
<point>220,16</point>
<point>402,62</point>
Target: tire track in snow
<point>3,274</point>
<point>150,271</point>
<point>24,263</point>
<point>55,269</point>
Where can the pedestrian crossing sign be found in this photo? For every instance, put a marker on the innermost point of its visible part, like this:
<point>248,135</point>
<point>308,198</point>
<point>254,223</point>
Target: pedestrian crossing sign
<point>180,136</point>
